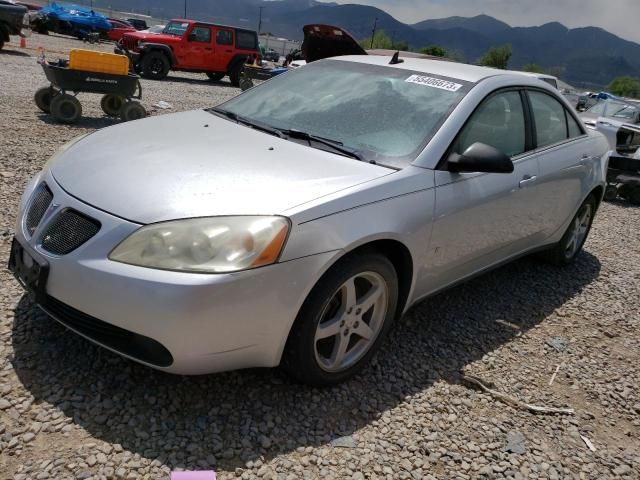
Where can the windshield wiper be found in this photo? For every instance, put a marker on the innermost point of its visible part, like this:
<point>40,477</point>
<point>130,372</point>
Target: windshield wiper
<point>246,121</point>
<point>336,145</point>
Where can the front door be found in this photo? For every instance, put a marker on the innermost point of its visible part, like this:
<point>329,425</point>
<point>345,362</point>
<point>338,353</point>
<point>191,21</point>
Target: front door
<point>198,49</point>
<point>482,218</point>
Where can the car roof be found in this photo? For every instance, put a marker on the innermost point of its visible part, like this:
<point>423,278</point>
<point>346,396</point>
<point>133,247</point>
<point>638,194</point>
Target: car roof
<point>461,71</point>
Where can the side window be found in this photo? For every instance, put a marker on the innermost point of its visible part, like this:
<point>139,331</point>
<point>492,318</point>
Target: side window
<point>549,118</point>
<point>574,129</point>
<point>200,34</point>
<point>499,122</point>
<point>224,37</point>
<point>246,40</point>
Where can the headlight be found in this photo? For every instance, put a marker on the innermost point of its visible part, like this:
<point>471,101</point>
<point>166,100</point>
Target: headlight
<point>205,245</point>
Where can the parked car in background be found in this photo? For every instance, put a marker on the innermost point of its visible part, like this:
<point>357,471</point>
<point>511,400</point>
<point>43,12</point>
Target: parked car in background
<point>271,55</point>
<point>137,23</point>
<point>192,46</point>
<point>305,215</point>
<point>71,20</point>
<point>32,9</point>
<point>118,29</point>
<point>14,20</point>
<point>607,116</point>
<point>154,29</point>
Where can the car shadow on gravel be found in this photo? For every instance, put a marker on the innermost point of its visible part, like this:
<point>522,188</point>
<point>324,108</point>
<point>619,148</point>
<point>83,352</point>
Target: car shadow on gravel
<point>198,81</point>
<point>237,416</point>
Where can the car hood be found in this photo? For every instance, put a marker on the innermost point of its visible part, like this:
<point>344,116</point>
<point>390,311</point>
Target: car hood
<point>195,164</point>
<point>153,37</point>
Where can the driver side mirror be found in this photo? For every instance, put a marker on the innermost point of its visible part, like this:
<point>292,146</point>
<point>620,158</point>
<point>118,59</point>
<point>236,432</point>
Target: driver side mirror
<point>480,157</point>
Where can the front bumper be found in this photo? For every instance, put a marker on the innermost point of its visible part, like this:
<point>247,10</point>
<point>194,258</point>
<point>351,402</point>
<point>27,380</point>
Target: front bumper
<point>206,323</point>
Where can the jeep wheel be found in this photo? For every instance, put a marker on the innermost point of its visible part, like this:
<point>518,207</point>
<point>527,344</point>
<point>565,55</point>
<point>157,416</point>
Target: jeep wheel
<point>215,76</point>
<point>234,73</point>
<point>155,65</point>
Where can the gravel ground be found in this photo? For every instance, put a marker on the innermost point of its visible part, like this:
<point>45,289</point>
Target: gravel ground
<point>69,409</point>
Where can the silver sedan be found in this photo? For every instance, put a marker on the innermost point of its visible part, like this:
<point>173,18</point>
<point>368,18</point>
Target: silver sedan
<point>294,223</point>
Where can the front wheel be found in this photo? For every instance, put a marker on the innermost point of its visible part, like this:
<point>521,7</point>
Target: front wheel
<point>343,320</point>
<point>155,65</point>
<point>566,251</point>
<point>66,108</point>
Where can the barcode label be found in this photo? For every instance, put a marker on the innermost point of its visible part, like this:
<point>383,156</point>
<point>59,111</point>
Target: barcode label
<point>434,82</point>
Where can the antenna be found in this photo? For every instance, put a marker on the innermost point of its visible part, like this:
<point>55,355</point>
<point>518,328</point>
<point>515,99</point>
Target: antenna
<point>396,59</point>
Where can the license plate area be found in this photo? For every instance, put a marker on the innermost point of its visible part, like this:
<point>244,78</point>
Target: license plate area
<point>32,273</point>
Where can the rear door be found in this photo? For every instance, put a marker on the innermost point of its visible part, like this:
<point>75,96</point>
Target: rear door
<point>198,48</point>
<point>483,218</point>
<point>566,163</point>
<point>224,50</point>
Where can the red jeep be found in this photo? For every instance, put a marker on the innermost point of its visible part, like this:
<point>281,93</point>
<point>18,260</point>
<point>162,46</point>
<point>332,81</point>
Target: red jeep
<point>191,46</point>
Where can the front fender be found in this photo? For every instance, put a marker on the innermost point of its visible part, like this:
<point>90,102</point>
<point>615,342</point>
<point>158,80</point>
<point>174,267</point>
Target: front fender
<point>149,47</point>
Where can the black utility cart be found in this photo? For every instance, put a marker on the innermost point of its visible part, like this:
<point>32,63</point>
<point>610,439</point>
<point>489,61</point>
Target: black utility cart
<point>120,93</point>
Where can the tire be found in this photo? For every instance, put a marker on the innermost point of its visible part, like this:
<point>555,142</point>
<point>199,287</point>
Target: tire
<point>43,98</point>
<point>245,83</point>
<point>155,65</point>
<point>66,108</point>
<point>132,111</point>
<point>215,76</point>
<point>1,44</point>
<point>610,193</point>
<point>565,252</point>
<point>634,196</point>
<point>112,104</point>
<point>313,359</point>
<point>234,73</point>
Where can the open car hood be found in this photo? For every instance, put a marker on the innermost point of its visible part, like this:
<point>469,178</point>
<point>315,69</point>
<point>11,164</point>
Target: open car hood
<point>324,41</point>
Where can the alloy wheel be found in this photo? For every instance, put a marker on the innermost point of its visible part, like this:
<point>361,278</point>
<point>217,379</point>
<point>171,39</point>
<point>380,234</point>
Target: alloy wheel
<point>351,322</point>
<point>579,229</point>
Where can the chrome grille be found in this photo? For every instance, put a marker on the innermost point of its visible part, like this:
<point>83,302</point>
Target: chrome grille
<point>67,231</point>
<point>40,202</point>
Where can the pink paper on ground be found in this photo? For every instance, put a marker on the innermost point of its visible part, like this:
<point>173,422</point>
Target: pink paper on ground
<point>203,475</point>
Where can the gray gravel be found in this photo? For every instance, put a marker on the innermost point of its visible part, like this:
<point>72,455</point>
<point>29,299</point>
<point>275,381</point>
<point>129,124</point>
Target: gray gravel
<point>69,409</point>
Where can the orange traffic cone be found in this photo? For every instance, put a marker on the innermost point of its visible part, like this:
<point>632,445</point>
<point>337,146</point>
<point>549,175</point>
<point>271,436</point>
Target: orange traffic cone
<point>23,42</point>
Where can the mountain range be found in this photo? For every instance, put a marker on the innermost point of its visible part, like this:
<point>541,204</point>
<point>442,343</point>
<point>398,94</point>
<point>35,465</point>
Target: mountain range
<point>588,57</point>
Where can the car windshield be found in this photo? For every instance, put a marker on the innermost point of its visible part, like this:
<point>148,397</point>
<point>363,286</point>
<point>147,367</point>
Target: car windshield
<point>175,28</point>
<point>386,114</point>
<point>628,112</point>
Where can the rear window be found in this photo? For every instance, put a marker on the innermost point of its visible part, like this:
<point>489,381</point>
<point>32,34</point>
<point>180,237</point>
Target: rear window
<point>246,40</point>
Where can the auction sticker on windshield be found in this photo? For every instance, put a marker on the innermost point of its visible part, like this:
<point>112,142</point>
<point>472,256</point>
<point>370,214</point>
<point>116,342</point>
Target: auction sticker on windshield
<point>434,82</point>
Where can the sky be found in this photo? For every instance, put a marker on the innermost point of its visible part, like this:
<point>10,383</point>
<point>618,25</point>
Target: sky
<point>617,16</point>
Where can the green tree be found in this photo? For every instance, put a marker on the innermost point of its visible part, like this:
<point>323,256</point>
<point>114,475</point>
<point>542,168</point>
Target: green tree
<point>625,87</point>
<point>533,68</point>
<point>383,41</point>
<point>497,57</point>
<point>435,51</point>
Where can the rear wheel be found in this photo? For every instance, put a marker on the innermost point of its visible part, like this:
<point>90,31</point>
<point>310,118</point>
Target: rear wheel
<point>112,104</point>
<point>66,108</point>
<point>343,320</point>
<point>566,251</point>
<point>132,111</point>
<point>234,73</point>
<point>43,98</point>
<point>215,76</point>
<point>155,65</point>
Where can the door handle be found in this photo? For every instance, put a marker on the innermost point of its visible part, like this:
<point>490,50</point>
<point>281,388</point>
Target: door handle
<point>527,180</point>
